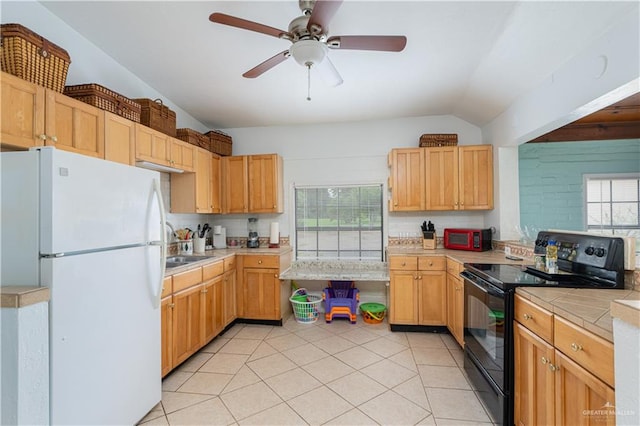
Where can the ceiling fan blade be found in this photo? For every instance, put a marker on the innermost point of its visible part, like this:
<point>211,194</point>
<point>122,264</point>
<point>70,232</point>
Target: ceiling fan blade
<point>329,73</point>
<point>267,65</point>
<point>383,43</point>
<point>323,11</point>
<point>221,18</point>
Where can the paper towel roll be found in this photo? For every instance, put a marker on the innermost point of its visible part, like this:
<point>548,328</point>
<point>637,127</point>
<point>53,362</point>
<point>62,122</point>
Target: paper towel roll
<point>274,234</point>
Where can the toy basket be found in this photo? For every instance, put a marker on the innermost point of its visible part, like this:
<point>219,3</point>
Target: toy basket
<point>305,306</point>
<point>373,313</point>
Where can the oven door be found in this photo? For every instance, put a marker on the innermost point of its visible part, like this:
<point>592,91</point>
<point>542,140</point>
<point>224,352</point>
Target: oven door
<point>485,322</point>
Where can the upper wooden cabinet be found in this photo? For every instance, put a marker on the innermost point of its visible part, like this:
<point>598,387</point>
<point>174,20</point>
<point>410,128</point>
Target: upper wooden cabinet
<point>119,139</point>
<point>194,192</point>
<point>216,184</point>
<point>35,116</point>
<point>441,178</point>
<point>265,184</point>
<point>182,155</point>
<point>252,184</point>
<point>22,112</point>
<point>407,179</point>
<point>152,145</point>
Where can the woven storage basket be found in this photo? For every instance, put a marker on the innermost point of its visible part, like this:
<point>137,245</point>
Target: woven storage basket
<point>221,143</point>
<point>32,57</point>
<point>156,115</point>
<point>194,138</point>
<point>103,98</point>
<point>440,139</point>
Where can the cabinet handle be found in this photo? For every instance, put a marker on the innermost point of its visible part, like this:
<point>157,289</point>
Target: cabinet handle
<point>203,291</point>
<point>259,262</point>
<point>404,264</point>
<point>275,276</point>
<point>553,368</point>
<point>395,204</point>
<point>544,360</point>
<point>430,263</point>
<point>576,347</point>
<point>43,137</point>
<point>527,317</point>
<point>172,305</point>
<point>54,138</point>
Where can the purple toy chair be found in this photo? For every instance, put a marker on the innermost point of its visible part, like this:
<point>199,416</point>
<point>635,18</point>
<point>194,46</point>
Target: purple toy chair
<point>341,300</point>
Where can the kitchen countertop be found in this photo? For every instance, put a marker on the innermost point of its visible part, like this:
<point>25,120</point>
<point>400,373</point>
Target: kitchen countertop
<point>491,256</point>
<point>21,295</point>
<point>588,308</point>
<point>341,270</point>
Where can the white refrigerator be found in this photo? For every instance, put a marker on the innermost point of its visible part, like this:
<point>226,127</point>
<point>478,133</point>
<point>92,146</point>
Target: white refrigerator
<point>93,232</point>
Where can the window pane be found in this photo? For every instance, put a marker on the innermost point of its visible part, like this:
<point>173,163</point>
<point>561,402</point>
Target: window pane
<point>625,214</point>
<point>624,190</point>
<point>349,240</point>
<point>594,214</point>
<point>598,190</point>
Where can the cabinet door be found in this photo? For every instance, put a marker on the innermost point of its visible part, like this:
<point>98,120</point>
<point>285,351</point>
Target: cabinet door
<point>403,297</point>
<point>441,178</point>
<point>119,139</point>
<point>261,293</point>
<point>476,177</point>
<point>212,302</point>
<point>73,125</point>
<point>203,181</point>
<point>188,331</point>
<point>21,113</point>
<point>265,184</point>
<point>534,379</point>
<point>432,298</point>
<point>166,334</point>
<point>581,398</point>
<point>455,308</point>
<point>152,146</point>
<point>407,180</point>
<point>229,294</point>
<point>182,155</point>
<point>215,184</point>
<point>234,170</point>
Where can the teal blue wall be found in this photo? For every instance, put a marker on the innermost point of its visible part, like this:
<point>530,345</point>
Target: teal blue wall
<point>551,178</point>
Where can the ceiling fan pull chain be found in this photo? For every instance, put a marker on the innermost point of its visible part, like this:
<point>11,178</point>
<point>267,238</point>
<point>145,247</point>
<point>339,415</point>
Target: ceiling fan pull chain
<point>308,81</point>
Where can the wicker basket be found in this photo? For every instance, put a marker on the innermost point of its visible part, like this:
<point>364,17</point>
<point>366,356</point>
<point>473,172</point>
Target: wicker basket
<point>438,139</point>
<point>156,115</point>
<point>221,143</point>
<point>103,98</point>
<point>31,57</point>
<point>194,138</point>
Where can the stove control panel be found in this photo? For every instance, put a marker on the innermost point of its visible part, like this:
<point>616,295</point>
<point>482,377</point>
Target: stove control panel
<point>590,250</point>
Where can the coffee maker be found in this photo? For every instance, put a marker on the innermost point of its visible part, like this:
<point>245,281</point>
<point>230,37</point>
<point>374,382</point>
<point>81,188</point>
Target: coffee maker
<point>252,240</point>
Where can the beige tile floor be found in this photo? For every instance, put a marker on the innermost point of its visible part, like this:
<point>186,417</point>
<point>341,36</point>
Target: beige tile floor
<point>334,374</point>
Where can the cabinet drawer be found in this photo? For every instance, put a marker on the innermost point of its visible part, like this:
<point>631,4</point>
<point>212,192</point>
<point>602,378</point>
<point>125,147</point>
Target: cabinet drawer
<point>212,270</point>
<point>261,261</point>
<point>432,263</point>
<point>229,263</point>
<point>535,318</point>
<point>453,267</point>
<point>186,279</point>
<point>403,263</point>
<point>590,351</point>
<point>167,287</point>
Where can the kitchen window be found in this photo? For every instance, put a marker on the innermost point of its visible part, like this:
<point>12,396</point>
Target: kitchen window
<point>613,204</point>
<point>339,222</point>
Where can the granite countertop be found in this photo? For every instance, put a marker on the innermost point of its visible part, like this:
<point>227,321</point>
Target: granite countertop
<point>491,256</point>
<point>588,308</point>
<point>216,255</point>
<point>342,270</point>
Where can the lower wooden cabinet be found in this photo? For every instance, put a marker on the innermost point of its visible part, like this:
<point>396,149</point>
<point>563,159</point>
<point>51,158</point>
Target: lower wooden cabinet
<point>188,324</point>
<point>166,334</point>
<point>555,382</point>
<point>455,301</point>
<point>229,292</point>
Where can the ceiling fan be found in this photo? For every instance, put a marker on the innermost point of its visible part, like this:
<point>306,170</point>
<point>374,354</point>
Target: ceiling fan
<point>310,40</point>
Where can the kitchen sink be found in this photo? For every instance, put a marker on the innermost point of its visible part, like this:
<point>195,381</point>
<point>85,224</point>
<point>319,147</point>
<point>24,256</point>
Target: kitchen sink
<point>174,261</point>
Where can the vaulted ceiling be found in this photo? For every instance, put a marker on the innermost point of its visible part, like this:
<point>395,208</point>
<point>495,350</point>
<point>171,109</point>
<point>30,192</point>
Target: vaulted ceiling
<point>469,59</point>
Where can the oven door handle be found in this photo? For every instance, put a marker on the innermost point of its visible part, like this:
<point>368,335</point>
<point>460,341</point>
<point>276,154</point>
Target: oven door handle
<point>481,284</point>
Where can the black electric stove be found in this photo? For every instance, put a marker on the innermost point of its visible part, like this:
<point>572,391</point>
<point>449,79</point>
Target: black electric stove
<point>584,261</point>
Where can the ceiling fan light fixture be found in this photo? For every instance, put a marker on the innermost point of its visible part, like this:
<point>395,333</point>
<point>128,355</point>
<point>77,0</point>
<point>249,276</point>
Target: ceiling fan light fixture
<point>308,52</point>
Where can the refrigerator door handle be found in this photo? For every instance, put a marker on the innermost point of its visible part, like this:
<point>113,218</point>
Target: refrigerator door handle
<point>163,242</point>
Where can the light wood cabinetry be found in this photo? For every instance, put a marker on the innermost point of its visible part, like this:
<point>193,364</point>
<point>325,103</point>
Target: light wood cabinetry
<point>216,184</point>
<point>455,301</point>
<point>417,290</point>
<point>441,178</point>
<point>563,373</point>
<point>252,184</point>
<point>35,116</point>
<point>259,286</point>
<point>152,145</point>
<point>194,310</point>
<point>193,192</point>
<point>229,292</point>
<point>265,188</point>
<point>182,155</point>
<point>119,139</point>
<point>407,180</point>
<point>21,113</point>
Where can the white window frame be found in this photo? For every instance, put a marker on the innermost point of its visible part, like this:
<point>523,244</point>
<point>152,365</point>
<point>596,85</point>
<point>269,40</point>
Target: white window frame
<point>606,176</point>
<point>295,187</point>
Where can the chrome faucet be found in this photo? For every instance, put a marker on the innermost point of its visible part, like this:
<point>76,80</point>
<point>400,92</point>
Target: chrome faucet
<point>173,231</point>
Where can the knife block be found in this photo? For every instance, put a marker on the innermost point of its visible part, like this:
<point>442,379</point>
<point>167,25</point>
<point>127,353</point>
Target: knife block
<point>429,240</point>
